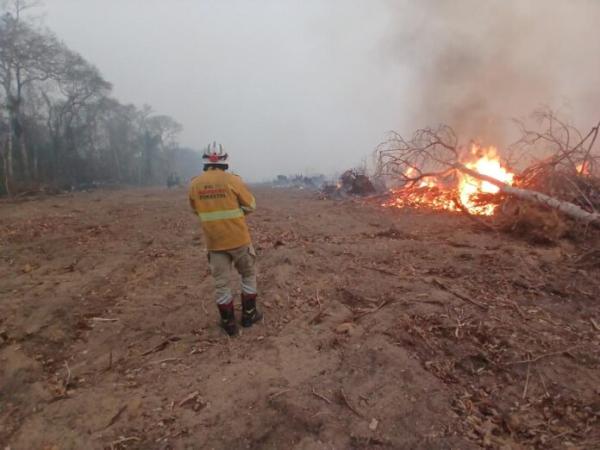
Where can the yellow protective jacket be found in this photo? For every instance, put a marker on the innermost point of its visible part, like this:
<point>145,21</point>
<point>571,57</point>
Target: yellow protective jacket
<point>222,200</point>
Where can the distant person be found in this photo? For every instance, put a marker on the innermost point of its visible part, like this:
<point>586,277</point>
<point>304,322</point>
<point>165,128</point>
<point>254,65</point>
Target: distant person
<point>222,201</point>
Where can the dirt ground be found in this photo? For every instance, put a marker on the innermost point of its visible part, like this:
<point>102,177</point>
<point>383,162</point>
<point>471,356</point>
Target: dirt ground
<point>383,329</point>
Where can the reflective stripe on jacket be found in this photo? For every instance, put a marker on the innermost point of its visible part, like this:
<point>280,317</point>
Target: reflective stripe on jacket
<point>222,200</point>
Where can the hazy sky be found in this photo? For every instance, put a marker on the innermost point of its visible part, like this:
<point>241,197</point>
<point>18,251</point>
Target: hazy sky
<point>314,85</point>
<point>286,86</point>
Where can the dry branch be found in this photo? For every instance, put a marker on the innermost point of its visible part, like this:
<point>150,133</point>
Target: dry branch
<point>67,382</point>
<point>193,396</point>
<point>458,294</point>
<point>384,302</point>
<point>123,440</point>
<point>277,394</point>
<point>114,418</point>
<point>321,396</point>
<point>567,208</point>
<point>545,355</point>
<point>348,404</point>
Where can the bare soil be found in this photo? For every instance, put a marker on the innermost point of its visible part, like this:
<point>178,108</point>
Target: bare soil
<point>383,329</point>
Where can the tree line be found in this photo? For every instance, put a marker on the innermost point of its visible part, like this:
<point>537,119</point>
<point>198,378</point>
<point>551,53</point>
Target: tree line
<point>60,127</point>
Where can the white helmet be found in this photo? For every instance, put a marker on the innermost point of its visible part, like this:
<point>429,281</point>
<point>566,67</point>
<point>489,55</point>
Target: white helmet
<point>215,154</point>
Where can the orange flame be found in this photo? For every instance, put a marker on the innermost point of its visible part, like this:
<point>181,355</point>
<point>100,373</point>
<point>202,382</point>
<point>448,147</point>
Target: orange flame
<point>486,162</point>
<point>583,168</point>
<point>433,194</point>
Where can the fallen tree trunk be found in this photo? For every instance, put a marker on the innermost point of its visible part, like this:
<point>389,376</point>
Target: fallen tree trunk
<point>567,208</point>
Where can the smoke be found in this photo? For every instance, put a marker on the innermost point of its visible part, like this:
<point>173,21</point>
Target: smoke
<point>286,86</point>
<point>313,86</point>
<point>477,64</point>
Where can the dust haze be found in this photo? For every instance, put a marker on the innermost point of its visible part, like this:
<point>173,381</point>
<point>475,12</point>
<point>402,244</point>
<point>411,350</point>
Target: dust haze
<point>312,86</point>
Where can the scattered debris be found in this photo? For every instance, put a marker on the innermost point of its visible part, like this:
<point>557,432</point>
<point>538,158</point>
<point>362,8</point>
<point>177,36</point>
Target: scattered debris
<point>123,440</point>
<point>345,328</point>
<point>191,397</point>
<point>359,314</point>
<point>166,360</point>
<point>545,355</point>
<point>374,424</point>
<point>161,346</point>
<point>318,317</point>
<point>277,394</point>
<point>348,404</point>
<point>68,379</point>
<point>463,297</point>
<point>321,396</point>
<point>114,418</point>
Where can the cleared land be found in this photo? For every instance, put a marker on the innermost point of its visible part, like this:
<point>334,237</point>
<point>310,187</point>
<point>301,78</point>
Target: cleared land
<point>384,329</point>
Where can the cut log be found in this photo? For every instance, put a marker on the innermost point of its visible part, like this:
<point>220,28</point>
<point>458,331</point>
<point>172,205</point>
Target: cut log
<point>567,208</point>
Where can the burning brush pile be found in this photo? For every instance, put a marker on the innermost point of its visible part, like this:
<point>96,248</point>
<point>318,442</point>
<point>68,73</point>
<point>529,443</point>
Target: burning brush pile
<point>455,190</point>
<point>431,170</point>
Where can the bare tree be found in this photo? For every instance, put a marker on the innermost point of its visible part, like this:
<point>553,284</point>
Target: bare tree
<point>166,129</point>
<point>58,121</point>
<point>5,154</point>
<point>27,56</point>
<point>71,117</point>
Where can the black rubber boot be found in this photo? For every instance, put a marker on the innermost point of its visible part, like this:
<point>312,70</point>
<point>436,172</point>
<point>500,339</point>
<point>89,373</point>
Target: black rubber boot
<point>228,319</point>
<point>250,313</point>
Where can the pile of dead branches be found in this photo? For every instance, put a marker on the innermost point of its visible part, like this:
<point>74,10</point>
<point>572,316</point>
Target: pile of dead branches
<point>571,170</point>
<point>353,182</point>
<point>561,183</point>
<point>356,182</point>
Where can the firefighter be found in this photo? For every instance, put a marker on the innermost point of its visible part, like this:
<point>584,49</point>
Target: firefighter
<point>222,201</point>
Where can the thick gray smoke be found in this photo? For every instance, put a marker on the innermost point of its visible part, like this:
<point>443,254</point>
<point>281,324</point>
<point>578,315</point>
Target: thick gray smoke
<point>477,64</point>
